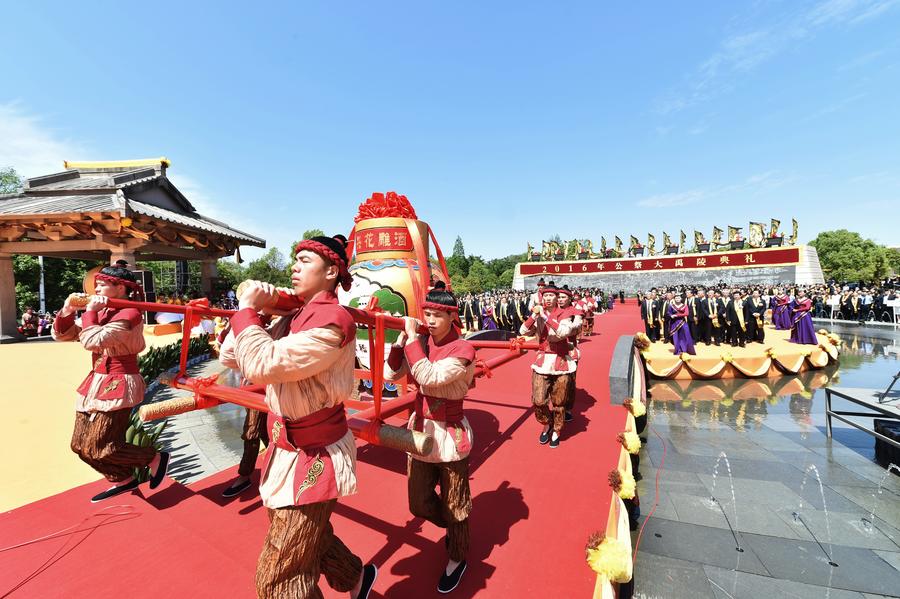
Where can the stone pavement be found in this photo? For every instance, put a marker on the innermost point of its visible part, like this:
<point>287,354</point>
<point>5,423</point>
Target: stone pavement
<point>202,442</point>
<point>687,548</point>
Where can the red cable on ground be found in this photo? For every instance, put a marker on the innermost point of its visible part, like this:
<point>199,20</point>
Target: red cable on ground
<point>129,511</point>
<point>659,469</point>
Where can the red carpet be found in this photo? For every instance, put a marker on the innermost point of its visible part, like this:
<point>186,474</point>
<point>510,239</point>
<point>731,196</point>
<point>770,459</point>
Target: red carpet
<point>534,508</point>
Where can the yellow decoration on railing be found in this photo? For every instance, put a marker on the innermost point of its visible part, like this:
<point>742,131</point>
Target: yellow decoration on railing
<point>622,482</point>
<point>641,341</point>
<point>630,441</point>
<point>685,357</point>
<point>772,353</point>
<point>636,407</point>
<point>609,557</point>
<point>727,358</point>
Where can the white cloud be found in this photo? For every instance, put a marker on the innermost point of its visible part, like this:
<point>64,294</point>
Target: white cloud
<point>742,52</point>
<point>751,185</point>
<point>30,146</point>
<point>665,200</point>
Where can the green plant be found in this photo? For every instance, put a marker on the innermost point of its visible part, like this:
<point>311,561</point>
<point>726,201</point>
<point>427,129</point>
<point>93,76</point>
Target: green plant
<point>139,435</point>
<point>160,359</point>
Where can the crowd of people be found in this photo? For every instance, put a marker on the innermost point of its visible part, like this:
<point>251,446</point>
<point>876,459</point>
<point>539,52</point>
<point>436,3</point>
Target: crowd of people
<point>737,314</point>
<point>507,309</point>
<point>36,324</point>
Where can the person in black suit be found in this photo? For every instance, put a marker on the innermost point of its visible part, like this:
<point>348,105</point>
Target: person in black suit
<point>693,316</point>
<point>650,315</point>
<point>664,316</point>
<point>737,321</point>
<point>755,310</point>
<point>720,321</point>
<point>470,312</point>
<point>704,308</point>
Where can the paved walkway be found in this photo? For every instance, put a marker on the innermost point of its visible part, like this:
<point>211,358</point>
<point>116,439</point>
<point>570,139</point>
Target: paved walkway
<point>687,549</point>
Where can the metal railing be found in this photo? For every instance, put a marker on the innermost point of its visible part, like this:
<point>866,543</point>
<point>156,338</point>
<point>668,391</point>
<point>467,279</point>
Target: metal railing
<point>877,409</point>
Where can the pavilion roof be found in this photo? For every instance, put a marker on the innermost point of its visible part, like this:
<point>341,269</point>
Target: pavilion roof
<point>137,190</point>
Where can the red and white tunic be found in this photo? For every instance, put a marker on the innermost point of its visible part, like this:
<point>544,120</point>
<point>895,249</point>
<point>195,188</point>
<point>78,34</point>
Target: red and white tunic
<point>307,366</point>
<point>444,373</point>
<point>555,354</point>
<point>115,338</point>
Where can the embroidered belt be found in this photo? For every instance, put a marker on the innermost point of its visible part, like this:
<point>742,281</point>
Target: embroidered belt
<point>104,364</point>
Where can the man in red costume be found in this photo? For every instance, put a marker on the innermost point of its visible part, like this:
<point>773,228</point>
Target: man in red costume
<point>443,367</point>
<point>114,385</point>
<point>553,367</point>
<point>307,367</point>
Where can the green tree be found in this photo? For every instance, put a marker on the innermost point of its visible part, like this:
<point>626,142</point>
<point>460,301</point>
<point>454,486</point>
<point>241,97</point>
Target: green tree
<point>310,233</point>
<point>62,276</point>
<point>893,258</point>
<point>846,256</point>
<point>271,267</point>
<point>231,273</point>
<point>457,263</point>
<point>10,181</point>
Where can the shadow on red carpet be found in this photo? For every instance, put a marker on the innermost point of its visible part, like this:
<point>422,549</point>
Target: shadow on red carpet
<point>533,510</point>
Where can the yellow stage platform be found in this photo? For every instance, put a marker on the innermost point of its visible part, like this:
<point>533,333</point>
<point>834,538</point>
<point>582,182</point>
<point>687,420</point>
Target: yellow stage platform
<point>776,357</point>
<point>38,400</point>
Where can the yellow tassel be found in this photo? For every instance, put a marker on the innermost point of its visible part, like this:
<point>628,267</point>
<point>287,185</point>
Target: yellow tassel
<point>628,486</point>
<point>641,341</point>
<point>635,406</point>
<point>630,441</point>
<point>685,357</point>
<point>609,557</point>
<point>772,353</point>
<point>728,401</point>
<point>727,358</point>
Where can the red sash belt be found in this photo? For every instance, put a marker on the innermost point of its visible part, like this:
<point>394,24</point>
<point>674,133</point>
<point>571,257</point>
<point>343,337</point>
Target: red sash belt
<point>314,477</point>
<point>319,429</point>
<point>560,348</point>
<point>116,365</point>
<point>439,409</point>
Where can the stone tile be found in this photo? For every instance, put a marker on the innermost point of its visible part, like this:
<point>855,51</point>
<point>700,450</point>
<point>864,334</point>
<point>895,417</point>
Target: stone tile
<point>750,517</point>
<point>702,544</point>
<point>844,529</point>
<point>728,584</point>
<point>831,472</point>
<point>886,504</point>
<point>656,576</point>
<point>755,492</point>
<point>803,561</point>
<point>664,508</point>
<point>891,557</point>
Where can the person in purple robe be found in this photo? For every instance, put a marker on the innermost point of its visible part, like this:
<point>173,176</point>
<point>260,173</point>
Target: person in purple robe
<point>781,310</point>
<point>802,330</point>
<point>678,329</point>
<point>487,317</point>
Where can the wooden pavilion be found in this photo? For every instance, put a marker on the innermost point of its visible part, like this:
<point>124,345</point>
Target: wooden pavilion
<point>108,211</point>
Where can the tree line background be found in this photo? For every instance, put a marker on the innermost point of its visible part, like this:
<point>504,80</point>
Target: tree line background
<point>844,256</point>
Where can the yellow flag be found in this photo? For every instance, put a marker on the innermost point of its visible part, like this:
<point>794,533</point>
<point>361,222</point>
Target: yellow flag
<point>757,235</point>
<point>634,241</point>
<point>773,231</point>
<point>733,233</point>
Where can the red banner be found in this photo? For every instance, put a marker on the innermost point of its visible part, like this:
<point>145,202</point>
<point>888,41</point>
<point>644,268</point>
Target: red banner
<point>383,239</point>
<point>734,259</point>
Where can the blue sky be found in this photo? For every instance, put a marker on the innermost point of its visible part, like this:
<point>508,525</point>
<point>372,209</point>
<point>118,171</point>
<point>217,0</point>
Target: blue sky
<point>503,122</point>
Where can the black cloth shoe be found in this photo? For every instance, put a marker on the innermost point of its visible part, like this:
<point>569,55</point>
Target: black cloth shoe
<point>554,443</point>
<point>448,583</point>
<point>113,491</point>
<point>237,488</point>
<point>568,416</point>
<point>160,470</point>
<point>369,574</point>
<point>545,436</point>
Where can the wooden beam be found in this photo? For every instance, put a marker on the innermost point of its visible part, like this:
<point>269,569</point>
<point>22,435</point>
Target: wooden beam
<point>38,248</point>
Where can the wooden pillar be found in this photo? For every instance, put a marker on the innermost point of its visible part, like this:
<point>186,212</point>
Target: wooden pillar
<point>208,272</point>
<point>123,253</point>
<point>8,321</point>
